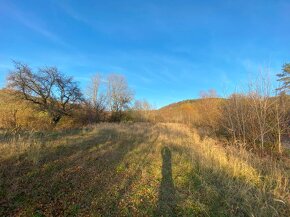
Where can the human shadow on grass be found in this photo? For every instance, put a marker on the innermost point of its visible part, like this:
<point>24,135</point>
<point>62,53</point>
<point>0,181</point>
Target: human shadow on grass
<point>167,198</point>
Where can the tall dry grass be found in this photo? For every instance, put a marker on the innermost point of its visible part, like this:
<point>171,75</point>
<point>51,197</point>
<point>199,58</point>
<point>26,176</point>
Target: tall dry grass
<point>249,185</point>
<point>211,179</point>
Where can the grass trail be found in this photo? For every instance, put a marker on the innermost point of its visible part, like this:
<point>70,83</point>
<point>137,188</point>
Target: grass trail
<point>136,170</point>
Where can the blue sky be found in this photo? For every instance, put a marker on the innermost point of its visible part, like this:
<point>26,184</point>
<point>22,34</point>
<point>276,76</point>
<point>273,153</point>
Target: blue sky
<point>168,50</point>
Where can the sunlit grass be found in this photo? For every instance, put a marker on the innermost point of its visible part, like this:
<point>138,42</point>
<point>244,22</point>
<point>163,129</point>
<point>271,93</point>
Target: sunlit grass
<point>119,170</point>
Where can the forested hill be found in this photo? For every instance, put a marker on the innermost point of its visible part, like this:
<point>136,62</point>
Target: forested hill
<point>194,111</point>
<point>190,102</point>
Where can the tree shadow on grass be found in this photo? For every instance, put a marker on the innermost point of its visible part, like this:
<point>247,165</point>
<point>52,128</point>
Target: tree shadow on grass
<point>114,208</point>
<point>72,173</point>
<point>167,198</point>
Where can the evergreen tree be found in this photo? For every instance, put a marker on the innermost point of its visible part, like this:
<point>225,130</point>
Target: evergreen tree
<point>284,78</point>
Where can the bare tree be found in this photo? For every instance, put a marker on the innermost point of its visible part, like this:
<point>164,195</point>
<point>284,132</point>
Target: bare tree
<point>259,93</point>
<point>119,95</point>
<point>96,99</point>
<point>280,118</point>
<point>257,117</point>
<point>211,93</point>
<point>142,109</point>
<point>51,91</point>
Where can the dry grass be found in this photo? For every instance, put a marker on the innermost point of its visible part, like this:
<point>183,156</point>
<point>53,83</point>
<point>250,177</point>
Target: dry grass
<point>137,170</point>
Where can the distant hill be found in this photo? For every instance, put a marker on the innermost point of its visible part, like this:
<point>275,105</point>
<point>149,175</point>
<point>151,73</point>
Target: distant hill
<point>193,111</point>
<point>192,102</point>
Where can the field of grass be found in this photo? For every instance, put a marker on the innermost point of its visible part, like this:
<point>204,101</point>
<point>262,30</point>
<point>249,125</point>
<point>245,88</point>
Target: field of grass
<point>137,170</point>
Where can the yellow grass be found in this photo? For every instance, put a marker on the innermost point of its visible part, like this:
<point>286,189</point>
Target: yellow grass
<point>138,170</point>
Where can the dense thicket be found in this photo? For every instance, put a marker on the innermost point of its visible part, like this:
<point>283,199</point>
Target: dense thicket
<point>258,118</point>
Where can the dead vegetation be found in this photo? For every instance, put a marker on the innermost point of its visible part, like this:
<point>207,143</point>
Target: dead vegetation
<point>103,156</point>
<point>140,170</point>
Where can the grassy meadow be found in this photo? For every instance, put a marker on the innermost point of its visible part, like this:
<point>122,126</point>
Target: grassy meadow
<point>144,108</point>
<point>137,169</point>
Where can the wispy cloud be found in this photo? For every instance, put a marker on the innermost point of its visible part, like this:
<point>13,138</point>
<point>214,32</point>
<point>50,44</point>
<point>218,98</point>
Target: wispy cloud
<point>72,13</point>
<point>30,21</point>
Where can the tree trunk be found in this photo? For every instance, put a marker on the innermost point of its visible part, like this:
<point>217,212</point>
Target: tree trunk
<point>55,119</point>
<point>279,143</point>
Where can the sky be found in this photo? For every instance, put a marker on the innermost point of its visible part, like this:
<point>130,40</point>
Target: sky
<point>168,50</point>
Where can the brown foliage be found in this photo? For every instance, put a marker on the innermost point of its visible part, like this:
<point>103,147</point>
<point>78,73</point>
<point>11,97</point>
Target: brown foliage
<point>204,113</point>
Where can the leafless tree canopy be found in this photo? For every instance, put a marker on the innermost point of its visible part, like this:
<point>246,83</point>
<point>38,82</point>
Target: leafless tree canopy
<point>256,118</point>
<point>47,88</point>
<point>96,99</point>
<point>119,95</point>
<point>208,94</point>
<point>93,89</point>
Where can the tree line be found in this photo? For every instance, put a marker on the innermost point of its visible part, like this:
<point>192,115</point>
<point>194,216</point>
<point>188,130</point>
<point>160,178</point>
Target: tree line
<point>58,96</point>
<point>257,118</point>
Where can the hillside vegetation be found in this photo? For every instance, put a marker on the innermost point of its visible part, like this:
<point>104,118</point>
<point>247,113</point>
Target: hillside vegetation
<point>198,112</point>
<point>101,152</point>
<point>137,170</point>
